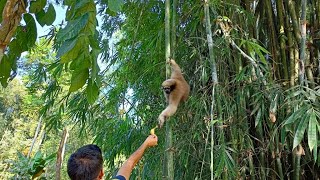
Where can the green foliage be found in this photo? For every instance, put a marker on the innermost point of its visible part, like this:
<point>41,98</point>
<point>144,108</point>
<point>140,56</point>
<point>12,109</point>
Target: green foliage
<point>46,17</point>
<point>77,45</point>
<point>5,70</point>
<point>106,86</point>
<point>37,6</point>
<point>115,5</point>
<point>2,4</point>
<point>27,168</point>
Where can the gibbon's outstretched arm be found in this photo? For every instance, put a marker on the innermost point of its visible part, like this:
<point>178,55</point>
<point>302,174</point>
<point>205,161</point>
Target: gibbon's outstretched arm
<point>176,89</point>
<point>169,111</point>
<point>175,70</point>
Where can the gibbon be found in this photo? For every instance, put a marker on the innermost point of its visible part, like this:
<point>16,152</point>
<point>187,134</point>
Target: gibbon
<point>176,90</point>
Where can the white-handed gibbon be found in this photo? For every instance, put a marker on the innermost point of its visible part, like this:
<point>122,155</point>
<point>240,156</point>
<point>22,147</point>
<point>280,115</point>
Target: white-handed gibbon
<point>176,90</point>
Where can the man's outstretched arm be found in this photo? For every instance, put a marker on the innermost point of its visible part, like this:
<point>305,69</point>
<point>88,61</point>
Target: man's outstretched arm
<point>128,166</point>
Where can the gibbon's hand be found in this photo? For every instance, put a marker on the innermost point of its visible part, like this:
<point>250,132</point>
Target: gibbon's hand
<point>170,61</point>
<point>152,140</point>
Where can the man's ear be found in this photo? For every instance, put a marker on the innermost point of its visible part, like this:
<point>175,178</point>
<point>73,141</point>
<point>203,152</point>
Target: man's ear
<point>101,174</point>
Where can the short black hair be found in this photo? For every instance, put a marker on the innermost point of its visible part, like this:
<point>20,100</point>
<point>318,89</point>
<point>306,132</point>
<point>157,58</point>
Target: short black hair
<point>85,163</point>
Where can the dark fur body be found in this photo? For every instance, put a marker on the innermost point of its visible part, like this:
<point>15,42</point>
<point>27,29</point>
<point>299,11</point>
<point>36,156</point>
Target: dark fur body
<point>176,90</point>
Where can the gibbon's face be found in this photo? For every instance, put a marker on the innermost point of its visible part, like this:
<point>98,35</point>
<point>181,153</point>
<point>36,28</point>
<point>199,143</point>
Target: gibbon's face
<point>168,89</point>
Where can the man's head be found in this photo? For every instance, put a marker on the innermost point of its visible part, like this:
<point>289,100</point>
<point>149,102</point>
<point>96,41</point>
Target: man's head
<point>86,163</point>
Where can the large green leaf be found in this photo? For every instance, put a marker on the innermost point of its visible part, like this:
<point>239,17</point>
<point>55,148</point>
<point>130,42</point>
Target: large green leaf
<point>41,16</point>
<point>78,79</point>
<point>15,47</point>
<point>46,18</point>
<point>73,28</point>
<point>81,62</point>
<point>77,48</point>
<point>37,6</point>
<point>31,30</point>
<point>301,128</point>
<point>2,4</point>
<point>312,131</point>
<point>81,3</point>
<point>21,43</point>
<point>115,5</point>
<point>92,91</point>
<point>5,70</point>
<point>67,46</point>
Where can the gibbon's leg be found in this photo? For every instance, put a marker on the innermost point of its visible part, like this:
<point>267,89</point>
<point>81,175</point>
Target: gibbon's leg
<point>169,111</point>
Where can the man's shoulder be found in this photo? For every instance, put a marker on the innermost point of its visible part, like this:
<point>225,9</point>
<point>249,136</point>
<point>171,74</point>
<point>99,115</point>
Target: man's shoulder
<point>119,177</point>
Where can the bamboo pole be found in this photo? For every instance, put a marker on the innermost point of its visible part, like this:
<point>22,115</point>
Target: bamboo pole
<point>292,48</point>
<point>294,20</point>
<point>282,39</point>
<point>213,75</point>
<point>173,28</point>
<point>298,152</point>
<point>273,39</point>
<point>168,163</point>
<point>303,42</point>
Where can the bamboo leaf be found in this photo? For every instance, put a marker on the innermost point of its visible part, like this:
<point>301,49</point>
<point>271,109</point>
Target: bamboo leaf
<point>315,153</point>
<point>274,104</point>
<point>301,129</point>
<point>258,118</point>
<point>300,112</point>
<point>312,131</point>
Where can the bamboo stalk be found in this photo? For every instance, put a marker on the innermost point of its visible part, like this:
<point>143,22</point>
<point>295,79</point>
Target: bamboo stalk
<point>294,19</point>
<point>213,75</point>
<point>168,163</point>
<point>303,42</point>
<point>173,28</point>
<point>280,10</point>
<point>298,152</point>
<point>278,157</point>
<point>273,39</point>
<point>292,48</point>
<point>262,154</point>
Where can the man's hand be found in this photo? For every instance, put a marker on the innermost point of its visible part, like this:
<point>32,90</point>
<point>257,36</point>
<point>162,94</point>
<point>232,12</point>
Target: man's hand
<point>152,140</point>
<point>127,167</point>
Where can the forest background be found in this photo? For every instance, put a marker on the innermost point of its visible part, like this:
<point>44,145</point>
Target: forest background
<point>253,67</point>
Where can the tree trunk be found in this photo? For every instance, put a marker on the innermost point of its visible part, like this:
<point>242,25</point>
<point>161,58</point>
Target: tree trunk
<point>11,17</point>
<point>60,153</point>
<point>35,136</point>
